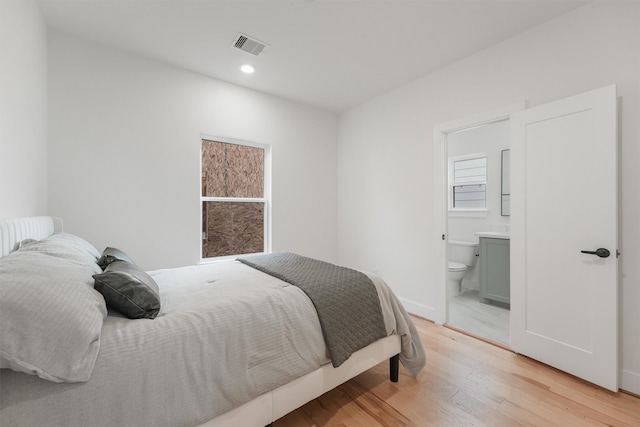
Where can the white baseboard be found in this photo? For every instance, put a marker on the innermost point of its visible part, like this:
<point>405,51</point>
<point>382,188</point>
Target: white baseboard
<point>630,381</point>
<point>473,285</point>
<point>424,311</point>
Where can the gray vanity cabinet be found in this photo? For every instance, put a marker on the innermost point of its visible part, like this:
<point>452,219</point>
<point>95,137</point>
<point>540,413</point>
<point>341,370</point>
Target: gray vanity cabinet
<point>494,270</point>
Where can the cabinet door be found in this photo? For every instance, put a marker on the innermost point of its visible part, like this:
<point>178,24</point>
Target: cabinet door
<point>494,270</point>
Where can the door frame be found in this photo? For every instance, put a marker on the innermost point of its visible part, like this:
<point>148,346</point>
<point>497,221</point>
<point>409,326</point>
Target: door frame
<point>440,194</point>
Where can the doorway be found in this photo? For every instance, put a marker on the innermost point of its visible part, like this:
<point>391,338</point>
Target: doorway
<point>478,231</point>
<point>482,135</point>
<point>563,277</point>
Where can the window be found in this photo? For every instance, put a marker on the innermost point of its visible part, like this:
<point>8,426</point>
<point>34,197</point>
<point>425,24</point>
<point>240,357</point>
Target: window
<point>468,182</point>
<point>235,198</point>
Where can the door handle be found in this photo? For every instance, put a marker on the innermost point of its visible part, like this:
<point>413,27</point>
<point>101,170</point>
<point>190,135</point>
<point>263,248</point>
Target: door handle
<point>601,252</point>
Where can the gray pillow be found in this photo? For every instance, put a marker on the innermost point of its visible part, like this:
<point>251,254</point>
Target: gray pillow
<point>129,290</point>
<point>110,255</point>
<point>50,315</point>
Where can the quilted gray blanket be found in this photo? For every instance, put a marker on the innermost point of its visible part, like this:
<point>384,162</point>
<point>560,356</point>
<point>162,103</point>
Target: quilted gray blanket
<point>346,300</point>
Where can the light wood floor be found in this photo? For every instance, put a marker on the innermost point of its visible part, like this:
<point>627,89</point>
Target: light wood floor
<point>467,382</point>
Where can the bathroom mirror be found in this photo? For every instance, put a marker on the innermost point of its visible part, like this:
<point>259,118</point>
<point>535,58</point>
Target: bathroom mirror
<point>506,189</point>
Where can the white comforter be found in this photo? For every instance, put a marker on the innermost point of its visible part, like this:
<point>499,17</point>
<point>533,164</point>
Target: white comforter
<point>226,334</point>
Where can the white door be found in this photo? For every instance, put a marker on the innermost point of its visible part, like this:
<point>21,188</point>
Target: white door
<point>564,201</point>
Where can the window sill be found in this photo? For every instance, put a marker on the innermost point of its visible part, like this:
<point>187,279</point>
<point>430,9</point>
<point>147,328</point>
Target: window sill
<point>468,213</point>
<point>227,258</point>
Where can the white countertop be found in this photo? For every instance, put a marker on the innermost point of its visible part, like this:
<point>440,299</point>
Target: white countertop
<point>494,234</point>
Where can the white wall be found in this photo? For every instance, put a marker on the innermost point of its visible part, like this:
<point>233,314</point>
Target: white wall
<point>125,152</point>
<point>23,110</point>
<point>386,208</point>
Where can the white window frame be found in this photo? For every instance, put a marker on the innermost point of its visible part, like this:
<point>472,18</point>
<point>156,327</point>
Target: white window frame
<point>266,194</point>
<point>452,183</point>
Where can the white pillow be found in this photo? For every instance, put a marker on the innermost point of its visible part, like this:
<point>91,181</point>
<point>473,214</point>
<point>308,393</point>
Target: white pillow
<point>50,315</point>
<point>64,245</point>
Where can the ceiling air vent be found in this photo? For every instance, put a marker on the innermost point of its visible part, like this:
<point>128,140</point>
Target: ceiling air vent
<point>248,44</point>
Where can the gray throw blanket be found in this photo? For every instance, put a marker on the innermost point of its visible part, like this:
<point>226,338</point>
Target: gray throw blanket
<point>346,300</point>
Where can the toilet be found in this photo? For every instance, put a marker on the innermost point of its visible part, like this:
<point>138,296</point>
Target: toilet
<point>462,256</point>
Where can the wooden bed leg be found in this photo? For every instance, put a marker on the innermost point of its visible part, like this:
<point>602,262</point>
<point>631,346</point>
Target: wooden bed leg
<point>394,367</point>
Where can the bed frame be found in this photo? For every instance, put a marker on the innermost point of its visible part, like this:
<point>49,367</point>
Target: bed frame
<point>265,409</point>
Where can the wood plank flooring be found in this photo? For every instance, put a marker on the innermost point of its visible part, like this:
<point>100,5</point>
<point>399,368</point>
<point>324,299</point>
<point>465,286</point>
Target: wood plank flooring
<point>467,382</point>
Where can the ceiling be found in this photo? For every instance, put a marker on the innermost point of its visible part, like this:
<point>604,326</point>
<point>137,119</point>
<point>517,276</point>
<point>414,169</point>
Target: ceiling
<point>332,55</point>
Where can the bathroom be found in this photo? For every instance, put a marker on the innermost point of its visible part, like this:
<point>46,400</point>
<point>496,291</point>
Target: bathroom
<point>478,228</point>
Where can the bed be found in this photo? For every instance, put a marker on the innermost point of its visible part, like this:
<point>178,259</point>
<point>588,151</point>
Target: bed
<point>229,345</point>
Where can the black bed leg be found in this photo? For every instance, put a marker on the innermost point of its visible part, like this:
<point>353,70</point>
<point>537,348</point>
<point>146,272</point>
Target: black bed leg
<point>269,425</point>
<point>394,367</point>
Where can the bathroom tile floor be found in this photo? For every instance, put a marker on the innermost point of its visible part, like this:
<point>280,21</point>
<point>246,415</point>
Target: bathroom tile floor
<point>489,321</point>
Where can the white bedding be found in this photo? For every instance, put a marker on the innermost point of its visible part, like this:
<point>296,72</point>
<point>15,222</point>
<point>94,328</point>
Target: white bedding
<point>226,333</point>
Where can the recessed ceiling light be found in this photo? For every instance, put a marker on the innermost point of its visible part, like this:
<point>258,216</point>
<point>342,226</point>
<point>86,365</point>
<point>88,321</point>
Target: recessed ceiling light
<point>247,68</point>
